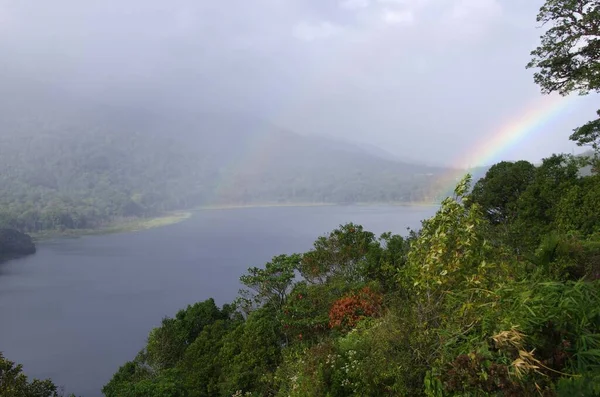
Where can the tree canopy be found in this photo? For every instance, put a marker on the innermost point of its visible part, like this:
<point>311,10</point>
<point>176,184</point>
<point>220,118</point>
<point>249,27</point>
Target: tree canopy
<point>568,57</point>
<point>495,295</point>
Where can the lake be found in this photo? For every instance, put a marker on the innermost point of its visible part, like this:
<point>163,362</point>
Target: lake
<point>79,308</point>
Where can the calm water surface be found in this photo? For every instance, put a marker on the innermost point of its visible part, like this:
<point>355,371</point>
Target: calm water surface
<point>80,308</point>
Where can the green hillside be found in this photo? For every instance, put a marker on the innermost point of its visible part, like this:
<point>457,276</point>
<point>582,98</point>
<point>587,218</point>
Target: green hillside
<point>80,166</point>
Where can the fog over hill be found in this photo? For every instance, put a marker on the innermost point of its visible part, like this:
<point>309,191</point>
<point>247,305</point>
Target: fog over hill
<point>76,163</point>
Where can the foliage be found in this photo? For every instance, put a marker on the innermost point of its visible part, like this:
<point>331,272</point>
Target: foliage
<point>14,383</point>
<point>498,192</point>
<point>568,57</point>
<point>343,253</point>
<point>202,364</point>
<point>250,355</point>
<point>536,208</point>
<point>306,314</point>
<point>577,209</point>
<point>588,135</point>
<point>346,312</point>
<point>495,295</point>
<point>272,284</point>
<point>167,343</point>
<point>498,294</point>
<point>69,169</point>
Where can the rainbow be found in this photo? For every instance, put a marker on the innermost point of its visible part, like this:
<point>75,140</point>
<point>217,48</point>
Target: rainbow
<point>487,151</point>
<point>491,149</point>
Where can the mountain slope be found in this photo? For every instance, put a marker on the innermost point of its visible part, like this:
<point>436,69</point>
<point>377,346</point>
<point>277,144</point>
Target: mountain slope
<point>73,164</point>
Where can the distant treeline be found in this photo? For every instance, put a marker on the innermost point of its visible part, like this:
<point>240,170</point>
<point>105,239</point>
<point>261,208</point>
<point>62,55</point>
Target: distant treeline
<point>496,295</point>
<point>62,174</point>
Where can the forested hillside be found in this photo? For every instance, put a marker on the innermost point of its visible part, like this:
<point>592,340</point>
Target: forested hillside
<point>498,294</point>
<point>78,165</point>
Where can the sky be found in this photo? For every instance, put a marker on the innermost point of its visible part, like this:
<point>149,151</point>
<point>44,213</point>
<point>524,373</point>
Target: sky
<point>427,80</point>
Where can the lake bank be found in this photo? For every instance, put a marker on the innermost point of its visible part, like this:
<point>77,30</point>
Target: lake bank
<point>122,226</point>
<point>296,205</point>
<point>137,224</point>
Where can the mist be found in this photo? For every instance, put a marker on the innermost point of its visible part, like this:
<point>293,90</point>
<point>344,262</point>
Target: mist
<point>424,81</point>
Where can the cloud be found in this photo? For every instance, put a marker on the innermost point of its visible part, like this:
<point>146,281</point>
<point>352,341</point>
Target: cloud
<point>342,67</point>
<point>471,20</point>
<point>315,31</point>
<point>5,18</point>
<point>354,4</point>
<point>475,9</point>
<point>403,17</point>
<point>405,3</point>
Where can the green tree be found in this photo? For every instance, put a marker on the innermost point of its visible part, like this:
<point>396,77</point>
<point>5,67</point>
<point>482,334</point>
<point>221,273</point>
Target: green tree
<point>202,363</point>
<point>343,253</point>
<point>133,381</point>
<point>272,284</point>
<point>589,135</point>
<point>568,57</point>
<point>498,192</point>
<point>167,343</point>
<point>251,353</point>
<point>577,209</point>
<point>14,383</point>
<point>536,208</point>
<point>569,53</point>
<point>386,259</point>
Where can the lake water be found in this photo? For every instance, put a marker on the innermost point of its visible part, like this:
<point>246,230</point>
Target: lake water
<point>79,308</point>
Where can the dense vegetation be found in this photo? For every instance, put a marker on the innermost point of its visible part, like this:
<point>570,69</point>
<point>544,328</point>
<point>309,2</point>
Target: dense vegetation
<point>82,167</point>
<point>498,294</point>
<point>14,244</point>
<point>13,383</point>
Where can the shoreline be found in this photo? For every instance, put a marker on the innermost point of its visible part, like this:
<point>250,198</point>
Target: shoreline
<point>171,218</point>
<point>123,226</point>
<point>277,205</point>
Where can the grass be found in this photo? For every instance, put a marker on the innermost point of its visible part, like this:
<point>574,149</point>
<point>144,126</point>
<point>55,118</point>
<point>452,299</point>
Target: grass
<point>121,226</point>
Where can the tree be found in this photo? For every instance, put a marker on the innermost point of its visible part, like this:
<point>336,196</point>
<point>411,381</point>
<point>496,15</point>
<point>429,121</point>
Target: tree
<point>577,209</point>
<point>13,383</point>
<point>536,208</point>
<point>568,57</point>
<point>346,312</point>
<point>167,343</point>
<point>569,54</point>
<point>588,135</point>
<point>498,192</point>
<point>273,283</point>
<point>202,363</point>
<point>341,254</point>
<point>251,353</point>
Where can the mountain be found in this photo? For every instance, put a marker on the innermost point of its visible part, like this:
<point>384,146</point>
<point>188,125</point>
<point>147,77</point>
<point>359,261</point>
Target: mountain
<point>77,164</point>
<point>370,149</point>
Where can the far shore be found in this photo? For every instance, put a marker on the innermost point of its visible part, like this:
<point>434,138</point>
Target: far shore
<point>138,224</point>
<point>275,205</point>
<point>121,226</point>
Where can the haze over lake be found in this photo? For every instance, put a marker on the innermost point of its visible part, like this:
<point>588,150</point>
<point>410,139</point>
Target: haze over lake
<point>80,308</point>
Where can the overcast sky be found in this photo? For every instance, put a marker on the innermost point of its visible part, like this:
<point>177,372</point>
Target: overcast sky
<point>424,79</point>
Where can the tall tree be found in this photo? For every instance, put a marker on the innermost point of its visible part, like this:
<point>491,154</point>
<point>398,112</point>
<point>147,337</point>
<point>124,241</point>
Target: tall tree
<point>273,283</point>
<point>499,190</point>
<point>568,57</point>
